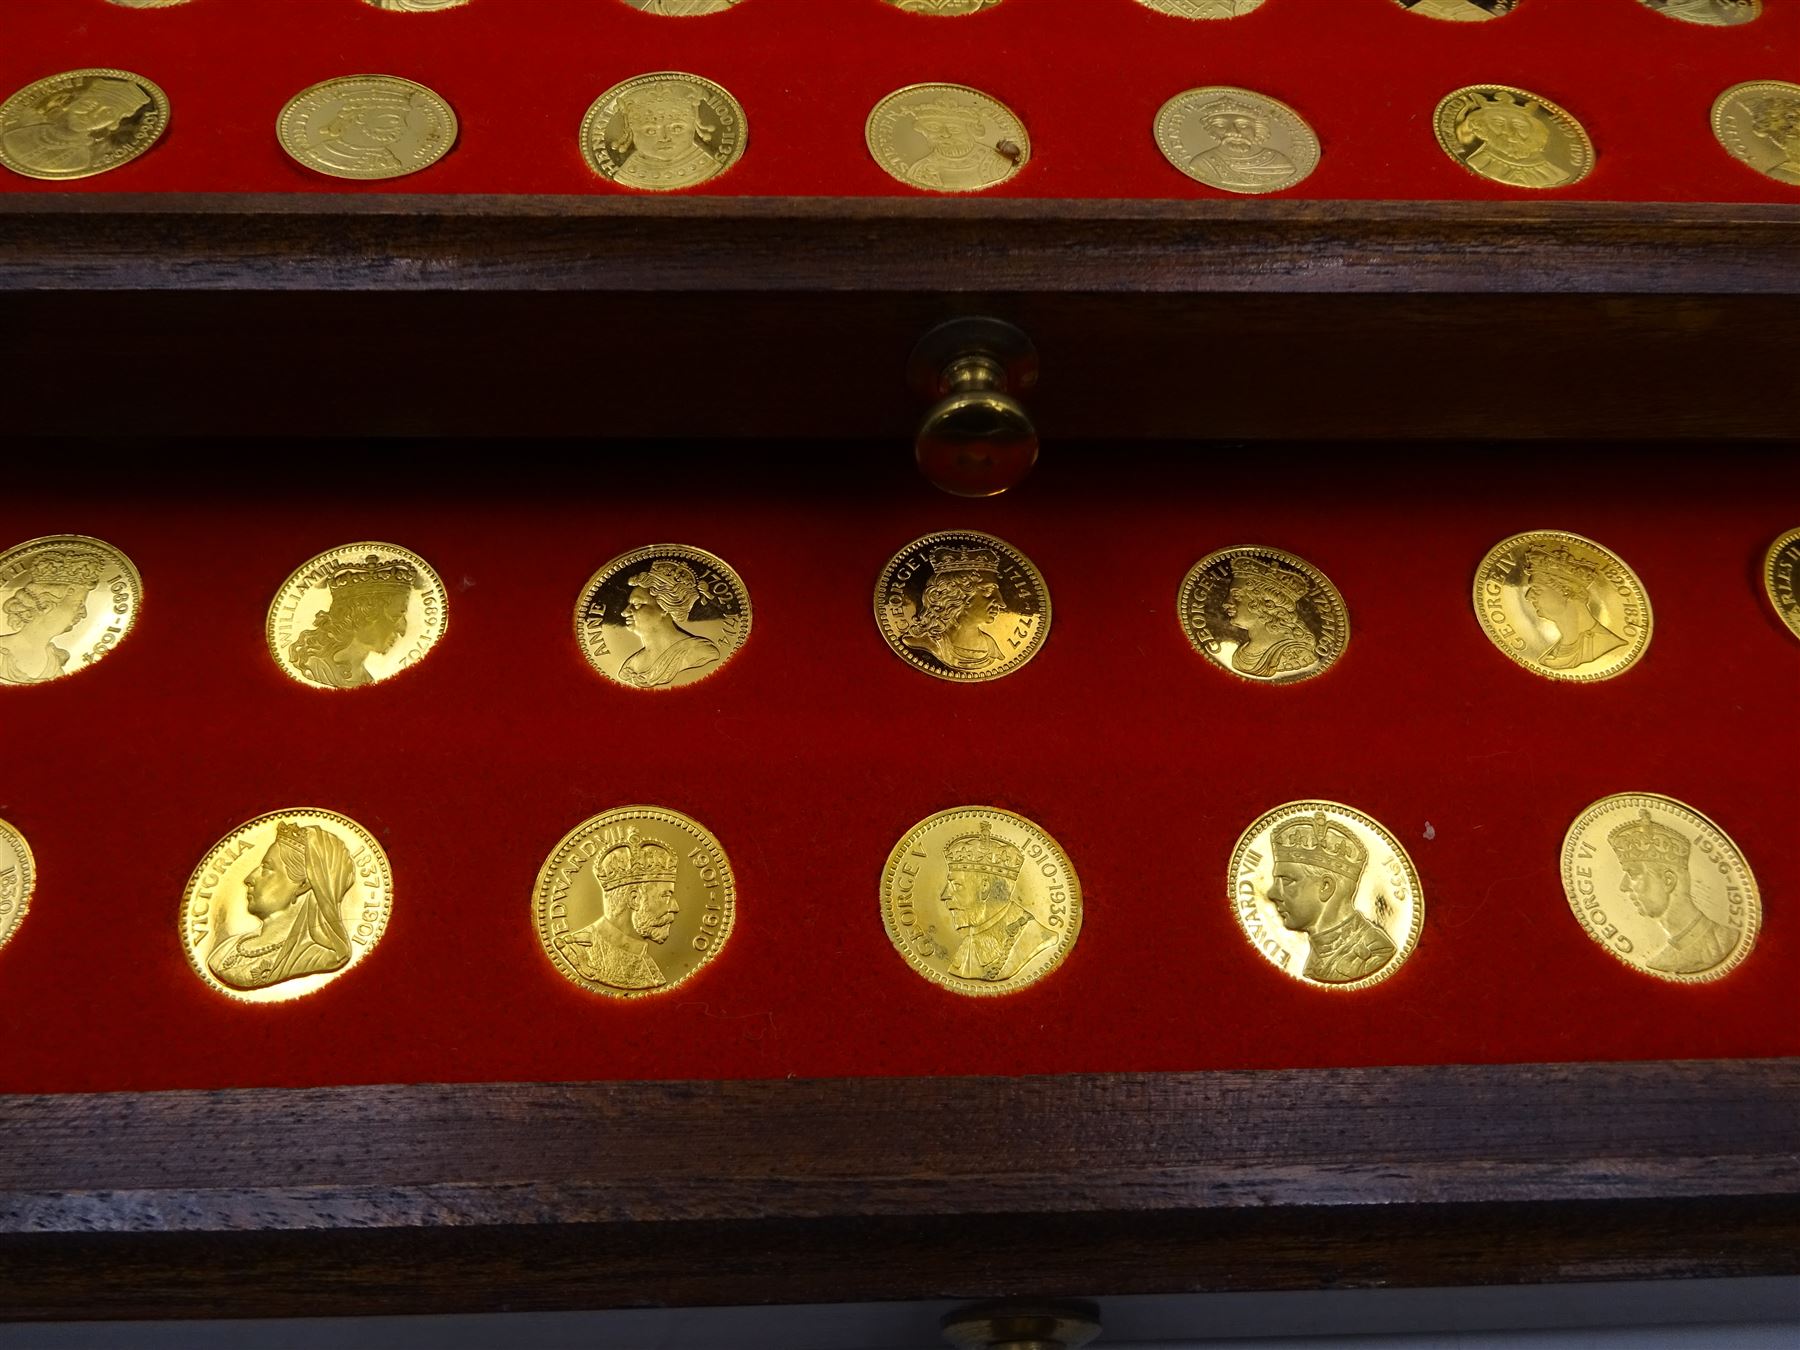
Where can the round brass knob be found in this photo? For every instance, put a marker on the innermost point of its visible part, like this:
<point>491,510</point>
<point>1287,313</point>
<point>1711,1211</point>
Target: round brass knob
<point>1022,1326</point>
<point>977,440</point>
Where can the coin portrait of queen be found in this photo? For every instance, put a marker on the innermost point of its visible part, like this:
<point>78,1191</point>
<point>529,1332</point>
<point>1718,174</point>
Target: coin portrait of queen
<point>662,138</point>
<point>296,892</point>
<point>958,159</point>
<point>76,124</point>
<point>48,602</point>
<point>1567,594</point>
<point>661,600</point>
<point>962,595</point>
<point>366,616</point>
<point>1318,873</point>
<point>981,894</point>
<point>1509,139</point>
<point>1242,158</point>
<point>637,889</point>
<point>1776,118</point>
<point>1658,881</point>
<point>1264,604</point>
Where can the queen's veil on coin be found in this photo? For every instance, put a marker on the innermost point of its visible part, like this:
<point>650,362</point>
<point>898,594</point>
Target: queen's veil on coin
<point>947,138</point>
<point>663,616</point>
<point>1326,895</point>
<point>1236,140</point>
<point>1661,887</point>
<point>980,900</point>
<point>1562,606</point>
<point>18,877</point>
<point>663,132</point>
<point>1758,123</point>
<point>1509,136</point>
<point>285,904</point>
<point>962,605</point>
<point>81,123</point>
<point>634,901</point>
<point>1781,578</point>
<point>66,600</point>
<point>1263,613</point>
<point>356,615</point>
<point>366,127</point>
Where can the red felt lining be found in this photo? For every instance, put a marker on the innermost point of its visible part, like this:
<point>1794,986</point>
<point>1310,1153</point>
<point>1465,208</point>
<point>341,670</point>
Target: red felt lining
<point>1087,76</point>
<point>816,749</point>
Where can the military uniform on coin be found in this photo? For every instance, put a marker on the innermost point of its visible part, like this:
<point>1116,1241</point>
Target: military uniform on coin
<point>1712,13</point>
<point>1509,136</point>
<point>65,601</point>
<point>663,132</point>
<point>1203,9</point>
<point>1562,606</point>
<point>1781,578</point>
<point>1661,887</point>
<point>947,138</point>
<point>1264,614</point>
<point>962,605</point>
<point>1236,140</point>
<point>634,901</point>
<point>366,127</point>
<point>18,877</point>
<point>81,123</point>
<point>356,615</point>
<point>663,616</point>
<point>1758,123</point>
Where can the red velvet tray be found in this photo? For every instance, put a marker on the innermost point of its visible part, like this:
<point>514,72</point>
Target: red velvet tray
<point>816,749</point>
<point>1087,76</point>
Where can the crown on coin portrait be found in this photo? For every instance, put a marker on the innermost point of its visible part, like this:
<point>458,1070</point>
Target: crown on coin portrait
<point>1256,575</point>
<point>1562,568</point>
<point>632,860</point>
<point>983,851</point>
<point>375,575</point>
<point>948,109</point>
<point>945,560</point>
<point>118,96</point>
<point>66,567</point>
<point>1319,841</point>
<point>1647,841</point>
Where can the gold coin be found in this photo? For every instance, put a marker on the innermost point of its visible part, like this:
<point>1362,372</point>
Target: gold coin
<point>357,615</point>
<point>1562,606</point>
<point>366,127</point>
<point>1781,578</point>
<point>81,123</point>
<point>962,605</point>
<point>285,904</point>
<point>681,9</point>
<point>65,601</point>
<point>634,901</point>
<point>1461,11</point>
<point>416,6</point>
<point>1202,9</point>
<point>1712,13</point>
<point>1236,140</point>
<point>661,617</point>
<point>947,138</point>
<point>663,132</point>
<point>1264,614</point>
<point>980,900</point>
<point>1758,123</point>
<point>18,877</point>
<point>1509,136</point>
<point>943,6</point>
<point>1661,887</point>
<point>148,4</point>
<point>1326,894</point>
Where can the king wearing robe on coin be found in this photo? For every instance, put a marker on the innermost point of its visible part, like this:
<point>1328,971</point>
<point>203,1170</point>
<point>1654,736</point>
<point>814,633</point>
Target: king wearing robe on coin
<point>959,157</point>
<point>1318,873</point>
<point>637,888</point>
<point>1659,883</point>
<point>76,126</point>
<point>962,595</point>
<point>999,936</point>
<point>1264,605</point>
<point>1243,160</point>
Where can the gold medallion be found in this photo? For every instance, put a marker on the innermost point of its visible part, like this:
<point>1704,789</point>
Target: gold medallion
<point>1661,887</point>
<point>65,601</point>
<point>1460,11</point>
<point>357,615</point>
<point>285,904</point>
<point>1562,606</point>
<point>1781,579</point>
<point>1264,614</point>
<point>681,9</point>
<point>1236,141</point>
<point>1202,9</point>
<point>663,132</point>
<point>81,123</point>
<point>366,127</point>
<point>947,138</point>
<point>980,900</point>
<point>634,901</point>
<point>148,4</point>
<point>1327,895</point>
<point>18,877</point>
<point>661,617</point>
<point>962,605</point>
<point>1758,123</point>
<point>1712,13</point>
<point>1509,136</point>
<point>943,6</point>
<point>417,6</point>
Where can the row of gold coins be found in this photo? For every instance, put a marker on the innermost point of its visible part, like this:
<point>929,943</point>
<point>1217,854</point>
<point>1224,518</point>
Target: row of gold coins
<point>959,605</point>
<point>1713,13</point>
<point>981,901</point>
<point>670,130</point>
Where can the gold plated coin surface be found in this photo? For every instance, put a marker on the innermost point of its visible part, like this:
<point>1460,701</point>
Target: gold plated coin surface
<point>18,878</point>
<point>417,6</point>
<point>1661,887</point>
<point>980,900</point>
<point>1203,9</point>
<point>1264,614</point>
<point>1460,11</point>
<point>1758,123</point>
<point>1712,13</point>
<point>681,9</point>
<point>1509,136</point>
<point>663,132</point>
<point>366,127</point>
<point>81,123</point>
<point>663,616</point>
<point>962,605</point>
<point>1326,895</point>
<point>634,901</point>
<point>356,615</point>
<point>65,602</point>
<point>148,4</point>
<point>1562,606</point>
<point>1236,140</point>
<point>943,6</point>
<point>285,904</point>
<point>947,138</point>
<point>1781,578</point>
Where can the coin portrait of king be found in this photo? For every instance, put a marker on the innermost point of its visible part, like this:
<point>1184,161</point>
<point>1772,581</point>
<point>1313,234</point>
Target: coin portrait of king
<point>669,144</point>
<point>999,936</point>
<point>374,130</point>
<point>637,889</point>
<point>366,616</point>
<point>958,160</point>
<point>49,601</point>
<point>76,124</point>
<point>1509,140</point>
<point>1318,873</point>
<point>1658,881</point>
<point>662,599</point>
<point>1263,604</point>
<point>961,597</point>
<point>296,893</point>
<point>1243,158</point>
<point>1567,593</point>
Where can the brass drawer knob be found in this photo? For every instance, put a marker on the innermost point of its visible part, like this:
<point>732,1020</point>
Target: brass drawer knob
<point>977,440</point>
<point>1012,1325</point>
